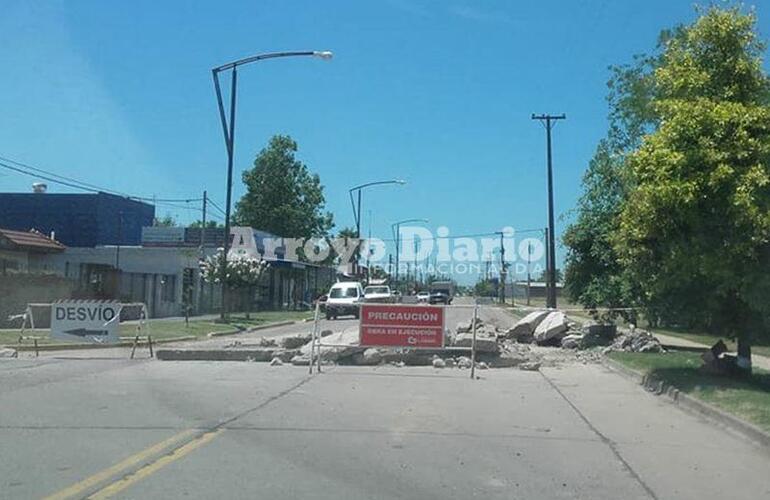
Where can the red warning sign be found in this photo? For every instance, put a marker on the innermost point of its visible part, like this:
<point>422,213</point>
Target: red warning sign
<point>402,325</point>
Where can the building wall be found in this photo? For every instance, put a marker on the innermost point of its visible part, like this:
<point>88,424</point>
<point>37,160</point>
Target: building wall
<point>154,276</point>
<point>78,220</point>
<point>18,290</point>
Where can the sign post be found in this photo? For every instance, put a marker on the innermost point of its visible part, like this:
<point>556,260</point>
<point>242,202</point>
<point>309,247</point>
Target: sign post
<point>398,325</point>
<point>92,321</point>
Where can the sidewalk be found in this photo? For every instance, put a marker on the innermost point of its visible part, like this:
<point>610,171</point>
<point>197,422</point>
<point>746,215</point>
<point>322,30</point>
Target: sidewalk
<point>762,362</point>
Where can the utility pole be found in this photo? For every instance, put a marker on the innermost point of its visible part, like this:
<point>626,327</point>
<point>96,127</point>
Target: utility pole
<point>529,276</point>
<point>369,251</point>
<point>415,265</point>
<point>203,226</point>
<point>117,255</point>
<point>502,269</point>
<point>549,122</point>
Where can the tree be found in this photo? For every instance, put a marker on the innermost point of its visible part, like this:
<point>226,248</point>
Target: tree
<point>282,196</point>
<point>243,274</point>
<point>544,275</point>
<point>210,224</point>
<point>694,231</point>
<point>167,221</point>
<point>594,277</point>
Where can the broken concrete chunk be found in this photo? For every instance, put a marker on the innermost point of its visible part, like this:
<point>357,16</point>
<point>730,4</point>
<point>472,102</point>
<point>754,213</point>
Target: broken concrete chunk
<point>552,328</point>
<point>571,341</point>
<point>483,344</point>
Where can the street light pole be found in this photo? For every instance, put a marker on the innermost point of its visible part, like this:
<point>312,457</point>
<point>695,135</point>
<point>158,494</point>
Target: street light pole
<point>357,210</point>
<point>228,129</point>
<point>396,228</point>
<point>548,122</point>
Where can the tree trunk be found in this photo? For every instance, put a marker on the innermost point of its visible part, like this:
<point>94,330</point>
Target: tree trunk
<point>247,306</point>
<point>744,351</point>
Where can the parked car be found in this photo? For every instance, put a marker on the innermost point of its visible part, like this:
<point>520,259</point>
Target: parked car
<point>423,296</point>
<point>377,293</point>
<point>344,299</point>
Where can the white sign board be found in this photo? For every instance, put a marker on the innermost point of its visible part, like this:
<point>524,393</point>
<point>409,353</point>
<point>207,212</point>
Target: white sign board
<point>92,321</point>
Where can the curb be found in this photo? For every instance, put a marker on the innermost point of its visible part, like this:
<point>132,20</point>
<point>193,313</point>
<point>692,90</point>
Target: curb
<point>690,403</point>
<point>72,347</point>
<point>255,328</point>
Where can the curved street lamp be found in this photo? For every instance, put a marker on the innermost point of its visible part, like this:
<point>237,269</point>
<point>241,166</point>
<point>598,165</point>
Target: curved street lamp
<point>357,207</point>
<point>229,132</point>
<point>396,228</point>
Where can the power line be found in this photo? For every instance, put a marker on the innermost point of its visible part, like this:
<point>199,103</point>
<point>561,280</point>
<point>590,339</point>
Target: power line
<point>78,184</point>
<point>476,235</point>
<point>216,206</point>
<point>67,181</point>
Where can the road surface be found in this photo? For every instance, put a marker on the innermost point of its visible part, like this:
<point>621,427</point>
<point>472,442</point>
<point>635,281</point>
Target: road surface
<point>74,428</point>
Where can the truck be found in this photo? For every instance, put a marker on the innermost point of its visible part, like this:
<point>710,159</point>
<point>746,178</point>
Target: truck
<point>442,292</point>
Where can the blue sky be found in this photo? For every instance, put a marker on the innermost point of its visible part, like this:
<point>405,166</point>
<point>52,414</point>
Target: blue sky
<point>439,93</point>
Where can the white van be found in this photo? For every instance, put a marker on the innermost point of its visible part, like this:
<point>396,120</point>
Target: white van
<point>344,298</point>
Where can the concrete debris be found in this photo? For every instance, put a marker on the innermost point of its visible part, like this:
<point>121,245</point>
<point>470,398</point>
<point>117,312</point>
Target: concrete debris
<point>483,343</point>
<point>552,329</point>
<point>300,360</point>
<point>573,341</point>
<point>531,366</point>
<point>345,344</point>
<point>596,334</point>
<point>637,340</point>
<point>295,341</point>
<point>263,342</point>
<point>467,326</point>
<point>524,329</point>
<point>276,362</point>
<point>439,363</point>
<point>8,353</point>
<point>463,362</point>
<point>482,365</point>
<point>369,357</point>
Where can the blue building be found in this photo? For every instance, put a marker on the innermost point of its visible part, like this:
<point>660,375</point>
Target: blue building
<point>78,220</point>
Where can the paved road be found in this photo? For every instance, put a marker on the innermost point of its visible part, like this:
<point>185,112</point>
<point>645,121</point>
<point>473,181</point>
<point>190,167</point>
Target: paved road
<point>152,429</point>
<point>149,429</point>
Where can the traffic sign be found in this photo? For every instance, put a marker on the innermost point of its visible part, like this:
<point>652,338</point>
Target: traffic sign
<point>397,325</point>
<point>93,321</point>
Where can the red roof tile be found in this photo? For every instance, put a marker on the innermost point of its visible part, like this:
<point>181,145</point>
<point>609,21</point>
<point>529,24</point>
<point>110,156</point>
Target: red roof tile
<point>31,240</point>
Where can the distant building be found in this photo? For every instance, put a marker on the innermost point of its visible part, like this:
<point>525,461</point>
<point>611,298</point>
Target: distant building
<point>77,220</point>
<point>24,251</point>
<point>536,289</point>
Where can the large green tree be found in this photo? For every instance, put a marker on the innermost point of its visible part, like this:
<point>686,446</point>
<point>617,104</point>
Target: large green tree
<point>593,275</point>
<point>282,196</point>
<point>694,229</point>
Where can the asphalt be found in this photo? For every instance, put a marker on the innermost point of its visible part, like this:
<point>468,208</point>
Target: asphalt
<point>150,429</point>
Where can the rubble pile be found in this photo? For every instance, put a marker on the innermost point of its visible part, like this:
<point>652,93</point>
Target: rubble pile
<point>296,341</point>
<point>635,340</point>
<point>524,330</point>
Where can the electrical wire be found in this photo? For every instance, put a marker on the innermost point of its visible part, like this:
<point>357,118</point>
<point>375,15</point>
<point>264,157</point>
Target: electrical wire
<point>24,168</point>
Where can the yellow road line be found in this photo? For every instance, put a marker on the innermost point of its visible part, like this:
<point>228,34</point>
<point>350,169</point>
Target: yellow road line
<point>155,466</point>
<point>129,462</point>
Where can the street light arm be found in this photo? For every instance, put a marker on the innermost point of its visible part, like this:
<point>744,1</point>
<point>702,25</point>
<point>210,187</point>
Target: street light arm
<point>378,183</point>
<point>323,54</point>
